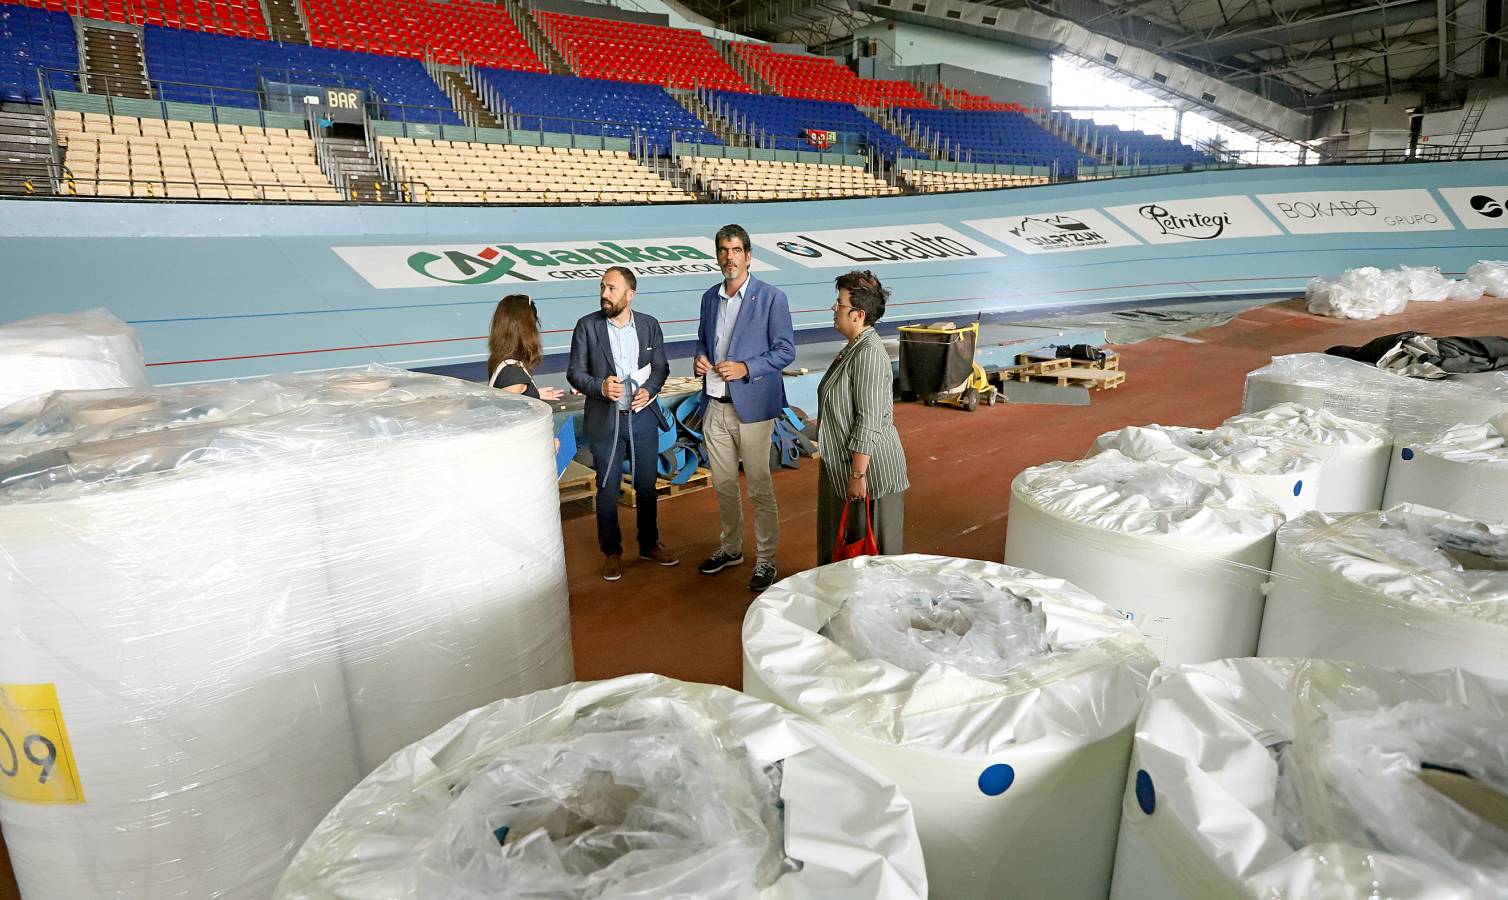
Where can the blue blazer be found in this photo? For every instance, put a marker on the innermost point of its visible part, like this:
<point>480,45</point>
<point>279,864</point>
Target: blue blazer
<point>592,363</point>
<point>763,339</point>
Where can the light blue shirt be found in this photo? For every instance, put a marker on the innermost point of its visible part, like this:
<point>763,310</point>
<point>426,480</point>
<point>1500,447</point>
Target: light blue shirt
<point>727,317</point>
<point>624,341</point>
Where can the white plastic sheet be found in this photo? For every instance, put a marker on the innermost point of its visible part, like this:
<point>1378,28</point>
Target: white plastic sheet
<point>1282,471</point>
<point>1009,748</point>
<point>638,788</point>
<point>1368,292</point>
<point>242,613</point>
<point>1182,552</point>
<point>1491,276</point>
<point>68,351</point>
<point>1279,779</point>
<point>1353,455</point>
<point>1463,470</point>
<point>1413,588</point>
<point>1406,407</point>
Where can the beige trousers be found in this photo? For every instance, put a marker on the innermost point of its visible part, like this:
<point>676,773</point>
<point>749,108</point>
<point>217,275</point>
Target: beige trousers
<point>730,442</point>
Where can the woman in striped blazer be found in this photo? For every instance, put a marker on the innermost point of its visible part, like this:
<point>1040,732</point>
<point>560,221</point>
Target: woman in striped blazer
<point>861,452</point>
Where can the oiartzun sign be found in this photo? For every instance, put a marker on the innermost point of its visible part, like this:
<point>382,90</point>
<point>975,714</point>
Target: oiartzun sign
<point>479,264</point>
<point>1079,229</point>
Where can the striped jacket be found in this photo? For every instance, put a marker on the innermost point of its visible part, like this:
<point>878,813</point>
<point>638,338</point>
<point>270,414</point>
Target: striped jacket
<point>856,413</point>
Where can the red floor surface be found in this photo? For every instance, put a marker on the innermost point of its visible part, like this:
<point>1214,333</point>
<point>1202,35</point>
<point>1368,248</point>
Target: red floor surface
<point>683,624</point>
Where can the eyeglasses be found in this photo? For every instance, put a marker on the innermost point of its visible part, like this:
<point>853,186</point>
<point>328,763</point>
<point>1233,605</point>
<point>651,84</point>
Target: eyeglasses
<point>839,307</point>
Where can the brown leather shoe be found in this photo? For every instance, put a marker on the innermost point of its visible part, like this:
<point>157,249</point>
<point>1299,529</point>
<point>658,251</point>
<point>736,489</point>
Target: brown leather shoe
<point>659,555</point>
<point>612,567</point>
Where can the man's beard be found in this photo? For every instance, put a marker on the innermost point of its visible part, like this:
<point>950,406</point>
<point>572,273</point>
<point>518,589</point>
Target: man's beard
<point>613,310</point>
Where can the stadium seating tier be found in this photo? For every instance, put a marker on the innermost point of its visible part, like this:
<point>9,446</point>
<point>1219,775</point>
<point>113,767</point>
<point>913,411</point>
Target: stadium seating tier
<point>631,51</point>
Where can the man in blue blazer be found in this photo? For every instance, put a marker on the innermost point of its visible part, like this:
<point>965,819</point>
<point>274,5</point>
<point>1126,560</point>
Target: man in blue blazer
<point>743,344</point>
<point>607,348</point>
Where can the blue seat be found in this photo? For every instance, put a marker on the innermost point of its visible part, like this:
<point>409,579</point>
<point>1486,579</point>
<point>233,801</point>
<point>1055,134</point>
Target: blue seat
<point>591,106</point>
<point>785,120</point>
<point>32,38</point>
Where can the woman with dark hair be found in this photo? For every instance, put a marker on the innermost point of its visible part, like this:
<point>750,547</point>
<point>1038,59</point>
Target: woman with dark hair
<point>513,348</point>
<point>862,459</point>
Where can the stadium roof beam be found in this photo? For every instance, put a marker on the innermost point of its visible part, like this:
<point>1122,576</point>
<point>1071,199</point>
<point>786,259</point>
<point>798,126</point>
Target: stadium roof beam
<point>1281,31</point>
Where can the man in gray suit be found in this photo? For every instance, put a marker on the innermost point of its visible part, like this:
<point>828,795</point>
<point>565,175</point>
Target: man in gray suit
<point>608,348</point>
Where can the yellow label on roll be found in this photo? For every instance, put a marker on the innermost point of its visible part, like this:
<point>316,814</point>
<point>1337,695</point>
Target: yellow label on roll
<point>36,760</point>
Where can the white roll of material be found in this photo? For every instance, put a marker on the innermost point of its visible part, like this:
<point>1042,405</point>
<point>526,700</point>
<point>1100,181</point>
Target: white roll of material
<point>190,599</point>
<point>999,700</point>
<point>1412,588</point>
<point>1353,455</point>
<point>1182,552</point>
<point>1464,471</point>
<point>68,351</point>
<point>1406,407</point>
<point>637,788</point>
<point>1295,780</point>
<point>1283,472</point>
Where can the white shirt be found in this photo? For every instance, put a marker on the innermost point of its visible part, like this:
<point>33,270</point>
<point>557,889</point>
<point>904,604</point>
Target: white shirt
<point>727,317</point>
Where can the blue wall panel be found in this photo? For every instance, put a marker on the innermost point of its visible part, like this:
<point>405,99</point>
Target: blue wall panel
<point>224,290</point>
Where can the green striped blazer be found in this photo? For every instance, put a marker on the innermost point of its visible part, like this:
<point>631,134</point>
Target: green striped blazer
<point>856,413</point>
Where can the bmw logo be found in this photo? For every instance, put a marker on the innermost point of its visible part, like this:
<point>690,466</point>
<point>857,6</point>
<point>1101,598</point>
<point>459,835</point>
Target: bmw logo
<point>798,249</point>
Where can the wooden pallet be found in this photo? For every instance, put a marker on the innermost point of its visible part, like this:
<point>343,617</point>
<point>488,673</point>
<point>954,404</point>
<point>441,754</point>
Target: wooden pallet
<point>663,488</point>
<point>578,482</point>
<point>1111,362</point>
<point>1024,371</point>
<point>1094,379</point>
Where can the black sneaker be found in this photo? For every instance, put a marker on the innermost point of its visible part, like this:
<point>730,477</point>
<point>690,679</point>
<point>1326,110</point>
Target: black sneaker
<point>764,576</point>
<point>719,561</point>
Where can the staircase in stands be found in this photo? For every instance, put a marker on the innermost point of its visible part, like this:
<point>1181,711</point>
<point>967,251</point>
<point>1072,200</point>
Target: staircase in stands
<point>535,37</point>
<point>742,67</point>
<point>883,118</point>
<point>452,80</point>
<point>715,123</point>
<point>359,169</point>
<point>935,94</point>
<point>285,21</point>
<point>113,60</point>
<point>25,152</point>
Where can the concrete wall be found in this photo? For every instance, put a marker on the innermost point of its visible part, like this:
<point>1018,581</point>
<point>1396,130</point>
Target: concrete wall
<point>227,290</point>
<point>916,45</point>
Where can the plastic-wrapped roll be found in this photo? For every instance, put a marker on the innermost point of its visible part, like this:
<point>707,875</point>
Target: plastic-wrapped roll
<point>1464,471</point>
<point>452,560</point>
<point>1353,455</point>
<point>1281,779</point>
<point>1411,588</point>
<point>182,625</point>
<point>1182,552</point>
<point>638,788</point>
<point>1281,471</point>
<point>232,618</point>
<point>64,352</point>
<point>1405,406</point>
<point>999,700</point>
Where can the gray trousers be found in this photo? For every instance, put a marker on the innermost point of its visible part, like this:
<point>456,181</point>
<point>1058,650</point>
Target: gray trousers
<point>889,521</point>
<point>730,442</point>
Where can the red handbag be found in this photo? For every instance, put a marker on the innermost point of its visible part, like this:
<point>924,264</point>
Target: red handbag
<point>864,546</point>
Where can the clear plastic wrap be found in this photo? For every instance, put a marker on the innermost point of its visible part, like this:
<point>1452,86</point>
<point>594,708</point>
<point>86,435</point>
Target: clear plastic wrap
<point>1464,290</point>
<point>1464,470</point>
<point>1491,276</point>
<point>68,351</point>
<point>1181,551</point>
<point>1424,284</point>
<point>1410,587</point>
<point>240,614</point>
<point>1353,455</point>
<point>1015,771</point>
<point>1406,407</point>
<point>1284,779</point>
<point>1362,293</point>
<point>1282,471</point>
<point>638,788</point>
<point>917,621</point>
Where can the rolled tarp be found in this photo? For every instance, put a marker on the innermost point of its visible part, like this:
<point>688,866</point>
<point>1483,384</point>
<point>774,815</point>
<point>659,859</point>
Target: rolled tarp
<point>999,698</point>
<point>1181,551</point>
<point>1287,779</point>
<point>638,788</point>
<point>1409,587</point>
